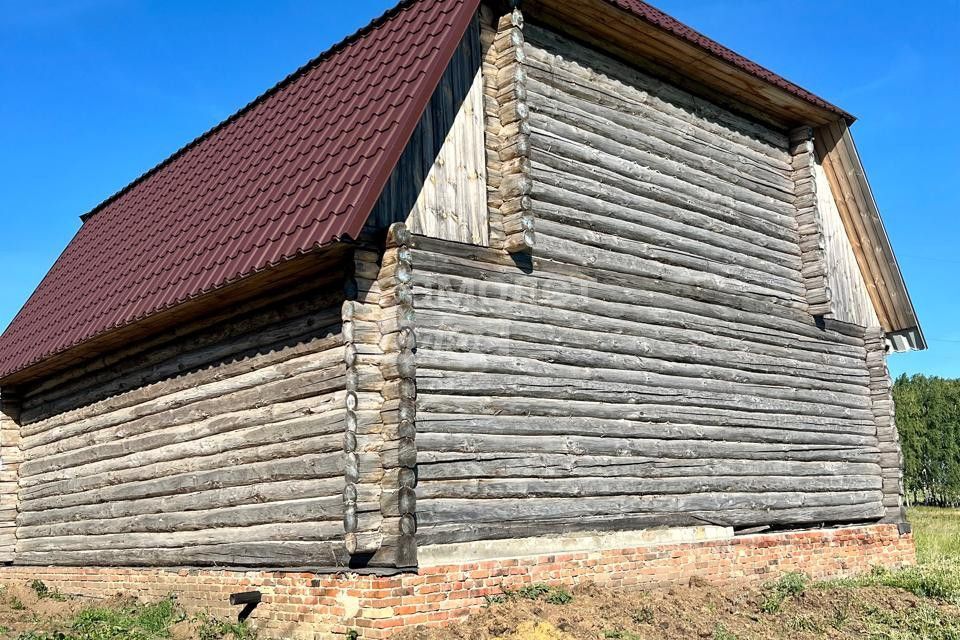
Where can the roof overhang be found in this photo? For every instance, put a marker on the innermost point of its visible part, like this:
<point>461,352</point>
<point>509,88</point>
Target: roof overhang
<point>868,237</point>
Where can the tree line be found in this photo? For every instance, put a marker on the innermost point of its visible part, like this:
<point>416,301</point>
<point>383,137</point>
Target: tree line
<point>928,419</point>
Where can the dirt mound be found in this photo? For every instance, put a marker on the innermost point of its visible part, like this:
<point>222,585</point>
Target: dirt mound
<point>702,611</point>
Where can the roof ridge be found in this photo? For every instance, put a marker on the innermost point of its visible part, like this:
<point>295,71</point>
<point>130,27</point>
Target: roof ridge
<point>291,77</point>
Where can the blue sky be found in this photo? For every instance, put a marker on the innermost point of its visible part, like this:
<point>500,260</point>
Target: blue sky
<point>95,92</point>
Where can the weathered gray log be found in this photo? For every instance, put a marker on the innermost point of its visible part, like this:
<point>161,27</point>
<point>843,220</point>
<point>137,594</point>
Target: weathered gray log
<point>466,530</point>
<point>679,449</point>
<point>297,509</point>
<point>522,488</point>
<point>266,554</point>
<point>790,432</point>
<point>734,509</point>
<point>452,465</point>
<point>297,531</point>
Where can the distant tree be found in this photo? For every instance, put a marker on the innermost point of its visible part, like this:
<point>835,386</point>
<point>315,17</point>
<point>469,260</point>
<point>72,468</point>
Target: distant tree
<point>928,419</point>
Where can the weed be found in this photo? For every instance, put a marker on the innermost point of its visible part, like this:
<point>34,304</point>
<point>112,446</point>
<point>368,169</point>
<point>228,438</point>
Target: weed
<point>720,632</point>
<point>805,623</point>
<point>44,592</point>
<point>538,591</point>
<point>621,635</point>
<point>352,634</point>
<point>211,628</point>
<point>789,585</point>
<point>840,617</point>
<point>17,604</point>
<point>128,621</point>
<point>643,615</point>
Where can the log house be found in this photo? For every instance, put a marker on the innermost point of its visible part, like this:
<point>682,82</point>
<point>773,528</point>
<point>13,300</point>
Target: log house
<point>482,271</point>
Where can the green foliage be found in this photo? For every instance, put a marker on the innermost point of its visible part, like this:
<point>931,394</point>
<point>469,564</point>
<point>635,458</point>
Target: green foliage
<point>928,419</point>
<point>937,534</point>
<point>920,623</point>
<point>940,580</point>
<point>127,621</point>
<point>643,615</point>
<point>211,628</point>
<point>45,592</point>
<point>720,632</point>
<point>621,635</point>
<point>789,585</point>
<point>538,591</point>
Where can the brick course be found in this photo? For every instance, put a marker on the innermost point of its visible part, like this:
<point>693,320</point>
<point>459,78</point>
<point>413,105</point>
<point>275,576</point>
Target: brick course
<point>300,606</point>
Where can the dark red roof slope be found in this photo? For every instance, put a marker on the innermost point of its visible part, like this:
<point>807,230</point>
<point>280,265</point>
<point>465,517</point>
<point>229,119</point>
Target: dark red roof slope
<point>296,169</point>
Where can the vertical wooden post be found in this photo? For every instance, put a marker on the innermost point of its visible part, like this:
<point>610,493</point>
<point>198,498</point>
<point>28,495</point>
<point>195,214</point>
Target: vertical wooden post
<point>10,458</point>
<point>363,472</point>
<point>398,453</point>
<point>891,456</point>
<point>810,226</point>
<point>508,132</point>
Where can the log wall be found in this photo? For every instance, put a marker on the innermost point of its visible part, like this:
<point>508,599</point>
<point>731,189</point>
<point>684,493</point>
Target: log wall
<point>654,361</point>
<point>221,447</point>
<point>10,459</point>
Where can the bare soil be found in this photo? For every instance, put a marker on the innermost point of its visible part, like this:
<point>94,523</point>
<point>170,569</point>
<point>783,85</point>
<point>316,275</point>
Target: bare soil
<point>702,611</point>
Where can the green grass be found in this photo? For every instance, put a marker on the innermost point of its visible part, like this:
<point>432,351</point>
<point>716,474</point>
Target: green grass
<point>133,620</point>
<point>128,621</point>
<point>937,574</point>
<point>788,586</point>
<point>538,591</point>
<point>937,534</point>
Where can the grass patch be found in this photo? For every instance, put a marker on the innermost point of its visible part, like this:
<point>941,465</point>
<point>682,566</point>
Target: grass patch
<point>211,628</point>
<point>937,534</point>
<point>788,586</point>
<point>46,593</point>
<point>720,632</point>
<point>538,591</point>
<point>128,621</point>
<point>924,622</point>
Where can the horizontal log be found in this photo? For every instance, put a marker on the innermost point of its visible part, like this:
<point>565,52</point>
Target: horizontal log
<point>452,465</point>
<point>466,531</point>
<point>792,431</point>
<point>322,510</point>
<point>721,507</point>
<point>268,554</point>
<point>676,449</point>
<point>522,488</point>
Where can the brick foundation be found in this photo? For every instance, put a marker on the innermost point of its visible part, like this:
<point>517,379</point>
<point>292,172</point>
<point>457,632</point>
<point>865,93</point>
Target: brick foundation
<point>303,605</point>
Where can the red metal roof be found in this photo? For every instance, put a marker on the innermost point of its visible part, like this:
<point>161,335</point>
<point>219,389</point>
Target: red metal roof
<point>296,169</point>
<point>659,19</point>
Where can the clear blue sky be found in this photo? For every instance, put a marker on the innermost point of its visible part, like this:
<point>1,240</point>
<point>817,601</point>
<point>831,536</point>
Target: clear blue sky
<point>95,92</point>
